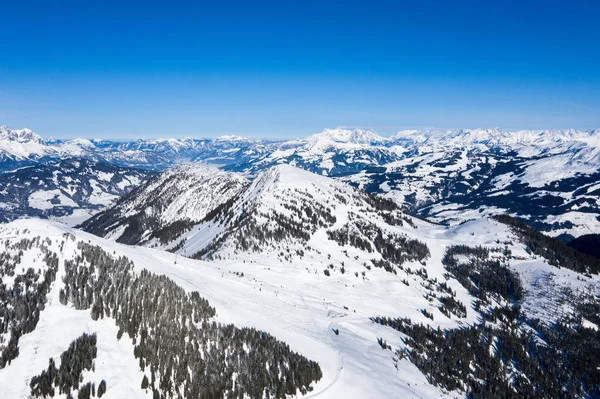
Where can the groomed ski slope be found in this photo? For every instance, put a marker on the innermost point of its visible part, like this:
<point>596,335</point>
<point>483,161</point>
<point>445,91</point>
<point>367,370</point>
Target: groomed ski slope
<point>293,301</point>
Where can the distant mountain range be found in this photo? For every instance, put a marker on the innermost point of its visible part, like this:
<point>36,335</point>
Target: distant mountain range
<point>331,152</point>
<point>549,178</point>
<point>20,148</point>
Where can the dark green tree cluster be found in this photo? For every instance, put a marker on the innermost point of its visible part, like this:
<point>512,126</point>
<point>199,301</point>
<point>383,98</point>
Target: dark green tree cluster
<point>554,251</point>
<point>482,275</point>
<point>66,378</point>
<point>387,209</point>
<point>449,304</point>
<point>510,361</point>
<point>172,231</point>
<point>380,203</point>
<point>182,352</point>
<point>384,264</point>
<point>506,354</point>
<point>392,247</point>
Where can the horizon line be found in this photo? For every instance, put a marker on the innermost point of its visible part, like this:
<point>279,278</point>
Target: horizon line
<point>254,136</point>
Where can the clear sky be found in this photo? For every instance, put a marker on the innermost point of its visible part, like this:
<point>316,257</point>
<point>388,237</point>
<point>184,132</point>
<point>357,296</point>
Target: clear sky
<point>286,69</point>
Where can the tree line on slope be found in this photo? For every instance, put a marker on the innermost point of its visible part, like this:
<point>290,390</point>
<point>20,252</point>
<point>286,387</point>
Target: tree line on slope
<point>254,230</point>
<point>482,276</point>
<point>368,237</point>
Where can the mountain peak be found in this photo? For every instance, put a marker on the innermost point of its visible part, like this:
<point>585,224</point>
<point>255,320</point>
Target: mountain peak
<point>287,176</point>
<point>346,136</point>
<point>233,137</point>
<point>20,135</point>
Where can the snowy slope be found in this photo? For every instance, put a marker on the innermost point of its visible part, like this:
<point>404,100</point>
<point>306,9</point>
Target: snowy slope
<point>264,297</point>
<point>290,216</point>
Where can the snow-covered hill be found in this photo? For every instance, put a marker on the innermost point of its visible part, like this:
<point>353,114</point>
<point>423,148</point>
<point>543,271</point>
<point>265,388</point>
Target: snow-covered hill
<point>70,190</point>
<point>283,209</point>
<point>153,334</point>
<point>173,200</point>
<point>344,279</point>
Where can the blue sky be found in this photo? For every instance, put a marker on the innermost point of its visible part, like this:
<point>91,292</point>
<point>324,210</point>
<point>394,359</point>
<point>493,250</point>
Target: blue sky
<point>287,69</point>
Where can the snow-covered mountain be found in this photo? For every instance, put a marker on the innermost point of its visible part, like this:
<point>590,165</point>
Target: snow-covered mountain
<point>283,208</point>
<point>493,137</point>
<point>70,190</point>
<point>385,304</point>
<point>332,151</point>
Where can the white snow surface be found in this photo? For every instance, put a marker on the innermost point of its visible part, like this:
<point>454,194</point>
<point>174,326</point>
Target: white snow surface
<point>42,199</point>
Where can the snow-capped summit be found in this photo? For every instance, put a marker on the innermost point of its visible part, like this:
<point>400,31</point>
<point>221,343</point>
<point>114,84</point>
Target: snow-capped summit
<point>330,137</point>
<point>82,142</point>
<point>20,135</point>
<point>289,176</point>
<point>233,137</point>
<point>20,145</point>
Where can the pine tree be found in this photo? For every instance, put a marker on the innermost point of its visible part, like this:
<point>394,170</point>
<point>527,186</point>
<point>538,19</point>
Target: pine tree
<point>101,388</point>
